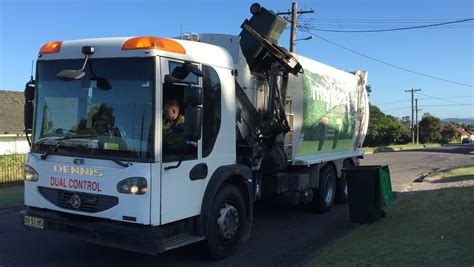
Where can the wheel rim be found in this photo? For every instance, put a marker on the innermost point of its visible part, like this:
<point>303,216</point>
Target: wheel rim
<point>329,190</point>
<point>228,221</point>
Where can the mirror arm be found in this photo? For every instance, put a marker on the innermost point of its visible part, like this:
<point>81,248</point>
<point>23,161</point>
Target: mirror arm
<point>85,62</point>
<point>27,138</point>
<point>180,160</point>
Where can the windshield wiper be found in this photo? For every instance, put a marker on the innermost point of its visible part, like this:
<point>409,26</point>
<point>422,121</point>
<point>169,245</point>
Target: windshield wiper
<point>59,141</point>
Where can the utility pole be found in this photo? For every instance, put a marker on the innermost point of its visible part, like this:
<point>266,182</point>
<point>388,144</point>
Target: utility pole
<point>417,124</point>
<point>293,22</point>
<point>412,112</point>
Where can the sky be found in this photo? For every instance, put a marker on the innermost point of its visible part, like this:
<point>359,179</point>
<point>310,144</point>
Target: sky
<point>395,60</point>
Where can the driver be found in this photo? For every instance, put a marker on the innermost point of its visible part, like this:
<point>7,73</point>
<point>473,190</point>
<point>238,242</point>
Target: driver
<point>173,127</point>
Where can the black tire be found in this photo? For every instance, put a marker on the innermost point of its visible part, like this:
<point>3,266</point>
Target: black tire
<point>341,191</point>
<point>324,196</point>
<point>227,222</point>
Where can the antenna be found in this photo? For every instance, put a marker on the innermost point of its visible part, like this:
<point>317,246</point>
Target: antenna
<point>32,64</point>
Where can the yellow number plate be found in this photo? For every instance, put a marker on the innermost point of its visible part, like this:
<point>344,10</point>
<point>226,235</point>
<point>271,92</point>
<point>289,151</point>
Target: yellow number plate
<point>34,222</point>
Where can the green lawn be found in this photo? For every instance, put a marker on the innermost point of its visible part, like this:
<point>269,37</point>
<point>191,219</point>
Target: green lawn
<point>451,175</point>
<point>10,195</point>
<point>398,147</point>
<point>426,228</point>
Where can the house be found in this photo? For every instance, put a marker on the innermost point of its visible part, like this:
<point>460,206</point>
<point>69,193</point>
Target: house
<point>465,133</point>
<point>12,136</point>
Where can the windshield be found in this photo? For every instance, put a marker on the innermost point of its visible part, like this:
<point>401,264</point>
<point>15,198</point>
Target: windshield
<point>109,110</point>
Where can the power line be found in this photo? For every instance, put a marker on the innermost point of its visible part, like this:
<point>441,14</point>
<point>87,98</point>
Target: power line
<point>393,109</point>
<point>393,102</point>
<point>448,105</point>
<point>397,29</point>
<point>389,64</point>
<point>443,99</point>
<point>424,98</point>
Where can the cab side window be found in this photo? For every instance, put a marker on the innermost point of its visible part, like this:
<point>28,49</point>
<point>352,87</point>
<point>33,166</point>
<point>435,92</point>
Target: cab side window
<point>211,109</point>
<point>174,120</point>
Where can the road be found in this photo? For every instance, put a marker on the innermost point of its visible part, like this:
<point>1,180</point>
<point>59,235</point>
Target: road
<point>406,166</point>
<point>281,236</point>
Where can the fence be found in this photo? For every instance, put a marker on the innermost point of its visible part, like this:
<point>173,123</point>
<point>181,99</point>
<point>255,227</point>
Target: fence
<point>11,167</point>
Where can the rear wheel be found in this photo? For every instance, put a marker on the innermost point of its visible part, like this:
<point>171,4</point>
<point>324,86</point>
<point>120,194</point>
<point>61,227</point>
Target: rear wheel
<point>324,196</point>
<point>227,222</point>
<point>342,193</point>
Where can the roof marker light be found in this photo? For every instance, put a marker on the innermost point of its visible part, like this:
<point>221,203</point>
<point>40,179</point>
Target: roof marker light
<point>51,47</point>
<point>149,42</point>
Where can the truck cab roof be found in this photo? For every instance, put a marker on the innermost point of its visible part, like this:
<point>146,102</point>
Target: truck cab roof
<point>146,46</point>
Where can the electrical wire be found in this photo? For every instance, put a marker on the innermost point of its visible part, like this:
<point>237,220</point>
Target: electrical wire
<point>388,64</point>
<point>396,29</point>
<point>443,99</point>
<point>424,98</point>
<point>393,109</point>
<point>394,102</point>
<point>447,105</point>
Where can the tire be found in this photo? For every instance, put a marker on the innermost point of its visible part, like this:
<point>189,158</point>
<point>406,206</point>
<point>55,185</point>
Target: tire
<point>341,191</point>
<point>324,196</point>
<point>227,222</point>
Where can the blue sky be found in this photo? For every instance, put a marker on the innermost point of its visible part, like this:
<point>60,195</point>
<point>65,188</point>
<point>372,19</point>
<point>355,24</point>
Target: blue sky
<point>445,52</point>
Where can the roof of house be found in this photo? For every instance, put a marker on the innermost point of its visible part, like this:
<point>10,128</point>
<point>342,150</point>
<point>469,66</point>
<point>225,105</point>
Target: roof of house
<point>11,112</point>
<point>463,131</point>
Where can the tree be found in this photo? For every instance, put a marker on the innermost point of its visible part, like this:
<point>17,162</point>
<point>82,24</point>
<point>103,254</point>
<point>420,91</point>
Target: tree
<point>430,129</point>
<point>368,88</point>
<point>406,121</point>
<point>385,129</point>
<point>449,134</point>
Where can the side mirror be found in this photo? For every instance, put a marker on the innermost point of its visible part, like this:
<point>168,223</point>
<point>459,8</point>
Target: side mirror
<point>183,71</point>
<point>71,75</point>
<point>193,95</point>
<point>193,124</point>
<point>30,89</point>
<point>28,116</point>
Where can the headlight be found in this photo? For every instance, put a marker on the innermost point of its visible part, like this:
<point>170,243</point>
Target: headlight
<point>133,186</point>
<point>30,174</point>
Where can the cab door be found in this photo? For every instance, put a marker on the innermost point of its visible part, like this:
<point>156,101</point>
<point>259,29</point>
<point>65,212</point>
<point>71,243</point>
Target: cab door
<point>181,187</point>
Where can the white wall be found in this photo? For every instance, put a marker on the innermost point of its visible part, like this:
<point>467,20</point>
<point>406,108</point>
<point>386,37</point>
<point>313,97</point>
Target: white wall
<point>13,144</point>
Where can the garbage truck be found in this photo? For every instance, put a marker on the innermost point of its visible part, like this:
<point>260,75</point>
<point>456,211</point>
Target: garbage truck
<point>252,121</point>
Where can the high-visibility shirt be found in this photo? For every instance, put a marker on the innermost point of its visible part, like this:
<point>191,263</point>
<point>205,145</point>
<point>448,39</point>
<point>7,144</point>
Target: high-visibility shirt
<point>173,124</point>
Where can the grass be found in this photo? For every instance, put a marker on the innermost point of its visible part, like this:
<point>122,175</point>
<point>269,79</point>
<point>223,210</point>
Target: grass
<point>426,228</point>
<point>398,147</point>
<point>10,195</point>
<point>451,175</point>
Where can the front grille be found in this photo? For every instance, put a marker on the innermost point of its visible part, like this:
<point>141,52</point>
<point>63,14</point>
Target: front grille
<point>89,202</point>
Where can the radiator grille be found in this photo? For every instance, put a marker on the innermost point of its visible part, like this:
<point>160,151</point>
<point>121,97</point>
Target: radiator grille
<point>89,202</point>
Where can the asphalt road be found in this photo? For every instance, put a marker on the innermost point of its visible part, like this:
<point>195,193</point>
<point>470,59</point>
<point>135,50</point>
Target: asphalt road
<point>406,166</point>
<point>281,236</point>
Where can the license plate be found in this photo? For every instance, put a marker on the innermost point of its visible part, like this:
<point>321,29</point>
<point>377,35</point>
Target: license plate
<point>33,222</point>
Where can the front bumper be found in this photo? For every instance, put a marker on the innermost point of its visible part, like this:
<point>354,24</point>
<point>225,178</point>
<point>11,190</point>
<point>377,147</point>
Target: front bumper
<point>139,238</point>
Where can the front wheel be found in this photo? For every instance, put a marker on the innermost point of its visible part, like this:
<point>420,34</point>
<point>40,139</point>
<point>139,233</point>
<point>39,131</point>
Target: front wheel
<point>227,222</point>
